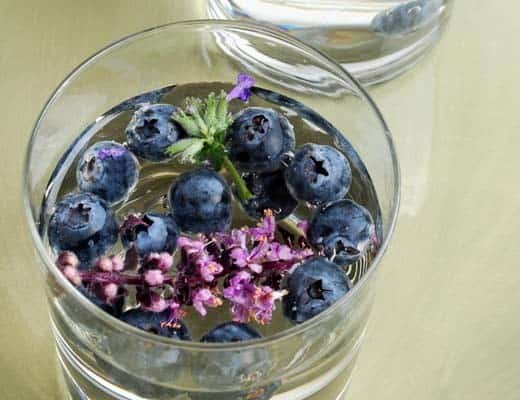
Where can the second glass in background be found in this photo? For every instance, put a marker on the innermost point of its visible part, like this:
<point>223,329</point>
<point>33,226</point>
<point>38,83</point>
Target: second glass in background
<point>375,40</point>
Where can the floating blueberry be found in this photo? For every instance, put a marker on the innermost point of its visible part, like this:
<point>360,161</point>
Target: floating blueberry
<point>270,192</point>
<point>151,131</point>
<point>318,174</point>
<point>230,332</point>
<point>154,323</point>
<point>150,233</point>
<point>259,139</point>
<point>233,368</point>
<point>84,224</point>
<point>343,230</point>
<point>313,287</point>
<point>108,170</point>
<point>200,201</point>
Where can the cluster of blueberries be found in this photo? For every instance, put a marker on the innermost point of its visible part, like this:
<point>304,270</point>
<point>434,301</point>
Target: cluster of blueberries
<point>261,144</point>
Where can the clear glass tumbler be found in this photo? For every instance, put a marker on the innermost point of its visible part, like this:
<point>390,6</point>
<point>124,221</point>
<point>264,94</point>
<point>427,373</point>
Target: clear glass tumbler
<point>103,358</point>
<point>374,40</point>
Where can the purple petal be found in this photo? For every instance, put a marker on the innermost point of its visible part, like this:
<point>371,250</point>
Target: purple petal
<point>112,152</point>
<point>242,90</point>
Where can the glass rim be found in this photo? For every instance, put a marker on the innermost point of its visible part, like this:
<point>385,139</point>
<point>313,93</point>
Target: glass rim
<point>192,345</point>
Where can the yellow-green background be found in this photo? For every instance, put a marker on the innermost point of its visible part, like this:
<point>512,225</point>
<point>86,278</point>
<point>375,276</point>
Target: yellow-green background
<point>446,323</point>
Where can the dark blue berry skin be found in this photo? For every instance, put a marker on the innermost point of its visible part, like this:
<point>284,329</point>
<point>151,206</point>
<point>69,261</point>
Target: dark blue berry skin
<point>318,174</point>
<point>151,131</point>
<point>84,224</point>
<point>259,139</point>
<point>270,192</point>
<point>228,368</point>
<point>313,287</point>
<point>343,230</point>
<point>231,332</point>
<point>200,202</point>
<point>158,361</point>
<point>108,170</point>
<point>154,323</point>
<point>150,233</point>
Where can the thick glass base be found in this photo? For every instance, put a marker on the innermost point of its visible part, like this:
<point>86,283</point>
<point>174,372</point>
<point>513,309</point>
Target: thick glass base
<point>81,383</point>
<point>374,41</point>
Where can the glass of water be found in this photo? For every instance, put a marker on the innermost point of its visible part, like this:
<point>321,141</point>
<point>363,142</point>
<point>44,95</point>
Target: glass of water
<point>374,39</point>
<point>103,358</point>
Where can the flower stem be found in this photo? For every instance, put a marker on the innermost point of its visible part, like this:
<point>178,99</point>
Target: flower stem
<point>291,227</point>
<point>242,189</point>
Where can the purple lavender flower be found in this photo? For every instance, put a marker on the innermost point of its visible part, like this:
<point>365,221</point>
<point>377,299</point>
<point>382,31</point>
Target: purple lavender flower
<point>250,262</point>
<point>265,229</point>
<point>242,257</point>
<point>154,277</point>
<point>111,152</point>
<point>205,298</point>
<point>198,256</point>
<point>162,261</point>
<point>250,301</point>
<point>242,90</point>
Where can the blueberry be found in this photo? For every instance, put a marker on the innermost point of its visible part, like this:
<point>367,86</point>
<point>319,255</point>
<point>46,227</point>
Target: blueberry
<point>343,230</point>
<point>230,368</point>
<point>109,170</point>
<point>154,323</point>
<point>230,332</point>
<point>84,224</point>
<point>147,359</point>
<point>406,17</point>
<point>318,174</point>
<point>270,192</point>
<point>200,201</point>
<point>151,131</point>
<point>150,233</point>
<point>115,309</point>
<point>313,287</point>
<point>259,139</point>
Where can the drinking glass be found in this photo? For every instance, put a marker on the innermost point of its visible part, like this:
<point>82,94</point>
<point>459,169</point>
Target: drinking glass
<point>374,40</point>
<point>104,358</point>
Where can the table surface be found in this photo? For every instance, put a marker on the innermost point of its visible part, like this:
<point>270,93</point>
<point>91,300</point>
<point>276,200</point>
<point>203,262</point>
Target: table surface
<point>445,323</point>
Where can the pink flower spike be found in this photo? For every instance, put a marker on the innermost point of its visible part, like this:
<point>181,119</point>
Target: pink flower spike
<point>104,264</point>
<point>280,252</point>
<point>208,269</point>
<point>117,263</point>
<point>157,304</point>
<point>110,291</point>
<point>190,246</point>
<point>265,298</point>
<point>240,313</point>
<point>162,261</point>
<point>72,274</point>
<point>242,90</point>
<point>266,227</point>
<point>239,256</point>
<point>154,277</point>
<point>204,297</point>
<point>67,259</point>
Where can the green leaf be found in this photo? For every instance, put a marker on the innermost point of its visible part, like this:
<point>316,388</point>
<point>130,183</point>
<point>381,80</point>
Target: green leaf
<point>210,114</point>
<point>189,155</point>
<point>187,122</point>
<point>194,106</point>
<point>222,108</point>
<point>183,145</point>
